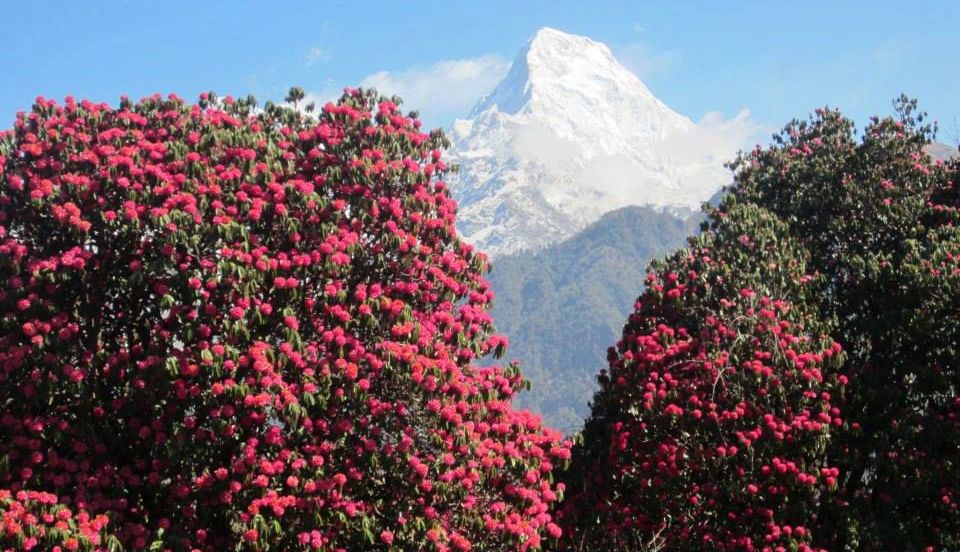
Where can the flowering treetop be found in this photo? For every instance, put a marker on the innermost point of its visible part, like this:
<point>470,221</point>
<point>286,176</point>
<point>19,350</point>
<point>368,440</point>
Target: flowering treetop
<point>229,328</point>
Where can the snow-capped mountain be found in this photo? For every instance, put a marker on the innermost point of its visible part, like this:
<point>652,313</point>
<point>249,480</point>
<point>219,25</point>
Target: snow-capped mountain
<point>568,135</point>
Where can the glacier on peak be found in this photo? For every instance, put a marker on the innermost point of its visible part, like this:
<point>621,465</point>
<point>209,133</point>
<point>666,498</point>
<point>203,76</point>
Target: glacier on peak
<point>568,135</point>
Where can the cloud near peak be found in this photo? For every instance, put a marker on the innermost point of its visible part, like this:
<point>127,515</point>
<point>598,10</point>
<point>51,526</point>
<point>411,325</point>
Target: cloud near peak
<point>713,141</point>
<point>444,90</point>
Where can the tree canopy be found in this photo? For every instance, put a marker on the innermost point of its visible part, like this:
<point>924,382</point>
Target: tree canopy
<point>791,379</point>
<point>224,327</point>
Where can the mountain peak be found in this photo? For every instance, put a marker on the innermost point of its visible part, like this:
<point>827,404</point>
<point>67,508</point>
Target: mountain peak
<point>549,42</point>
<point>551,55</point>
<point>567,135</point>
<point>557,69</point>
<point>548,32</point>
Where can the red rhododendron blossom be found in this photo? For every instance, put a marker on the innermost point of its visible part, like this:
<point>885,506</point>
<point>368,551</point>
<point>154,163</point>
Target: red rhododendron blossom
<point>881,221</point>
<point>251,331</point>
<point>710,427</point>
<point>790,381</point>
<point>31,520</point>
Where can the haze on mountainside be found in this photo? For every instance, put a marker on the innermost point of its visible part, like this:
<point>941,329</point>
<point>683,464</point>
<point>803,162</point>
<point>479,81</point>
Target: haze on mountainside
<point>573,177</point>
<point>563,305</point>
<point>570,134</point>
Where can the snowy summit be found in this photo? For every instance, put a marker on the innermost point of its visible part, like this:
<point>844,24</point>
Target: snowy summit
<point>568,135</point>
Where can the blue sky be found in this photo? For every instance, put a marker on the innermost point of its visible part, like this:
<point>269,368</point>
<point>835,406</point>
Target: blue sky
<point>779,60</point>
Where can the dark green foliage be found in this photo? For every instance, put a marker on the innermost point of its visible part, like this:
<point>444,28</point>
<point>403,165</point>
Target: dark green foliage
<point>710,428</point>
<point>870,224</point>
<point>880,219</point>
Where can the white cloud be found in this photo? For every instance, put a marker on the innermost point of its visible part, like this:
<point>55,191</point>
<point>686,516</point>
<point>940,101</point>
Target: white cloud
<point>645,60</point>
<point>318,55</point>
<point>714,138</point>
<point>540,144</point>
<point>444,90</point>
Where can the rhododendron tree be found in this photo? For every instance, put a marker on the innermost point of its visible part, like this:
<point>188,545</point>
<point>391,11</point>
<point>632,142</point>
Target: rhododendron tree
<point>710,428</point>
<point>790,381</point>
<point>880,220</point>
<point>230,328</point>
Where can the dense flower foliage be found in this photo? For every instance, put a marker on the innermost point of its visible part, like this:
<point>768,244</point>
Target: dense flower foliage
<point>224,328</point>
<point>35,521</point>
<point>791,381</point>
<point>882,225</point>
<point>710,428</point>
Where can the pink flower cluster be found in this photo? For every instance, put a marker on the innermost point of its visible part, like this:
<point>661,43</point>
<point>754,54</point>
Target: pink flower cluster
<point>709,428</point>
<point>31,520</point>
<point>228,330</point>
